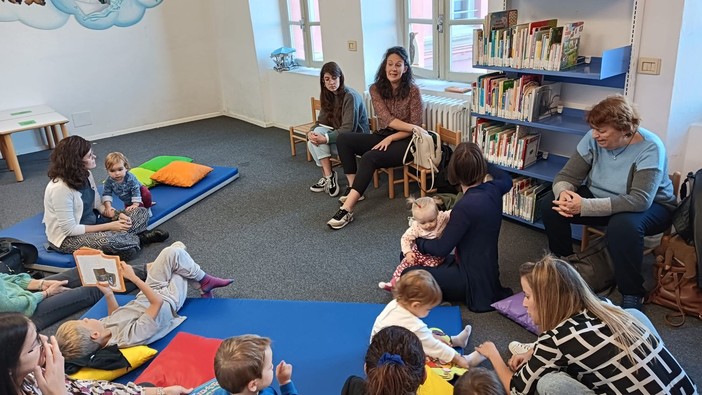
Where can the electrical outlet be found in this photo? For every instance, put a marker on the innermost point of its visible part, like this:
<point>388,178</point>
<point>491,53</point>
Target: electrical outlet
<point>352,45</point>
<point>649,66</point>
<point>81,119</point>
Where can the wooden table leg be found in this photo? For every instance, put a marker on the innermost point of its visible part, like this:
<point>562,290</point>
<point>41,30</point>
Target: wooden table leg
<point>12,161</point>
<point>3,151</point>
<point>54,130</point>
<point>49,140</point>
<point>64,130</point>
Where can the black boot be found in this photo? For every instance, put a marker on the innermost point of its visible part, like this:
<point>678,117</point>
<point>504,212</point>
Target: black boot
<point>153,236</point>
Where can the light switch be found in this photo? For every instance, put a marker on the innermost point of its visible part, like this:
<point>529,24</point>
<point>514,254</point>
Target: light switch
<point>649,66</point>
<point>352,45</point>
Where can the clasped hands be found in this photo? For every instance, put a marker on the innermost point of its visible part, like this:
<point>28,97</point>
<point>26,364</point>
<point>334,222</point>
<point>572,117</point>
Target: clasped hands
<point>316,138</point>
<point>568,204</point>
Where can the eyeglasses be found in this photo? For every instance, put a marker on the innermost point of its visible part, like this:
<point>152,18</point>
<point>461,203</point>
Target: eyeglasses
<point>38,343</point>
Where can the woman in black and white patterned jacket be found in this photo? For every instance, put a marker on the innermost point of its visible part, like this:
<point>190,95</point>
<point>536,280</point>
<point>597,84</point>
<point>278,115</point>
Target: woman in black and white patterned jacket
<point>587,345</point>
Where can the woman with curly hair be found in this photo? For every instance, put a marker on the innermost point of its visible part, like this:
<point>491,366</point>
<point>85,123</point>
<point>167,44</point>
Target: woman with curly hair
<point>73,213</point>
<point>342,111</point>
<point>398,106</point>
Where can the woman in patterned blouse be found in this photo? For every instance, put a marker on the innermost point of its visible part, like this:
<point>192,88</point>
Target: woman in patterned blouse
<point>32,364</point>
<point>398,106</point>
<point>586,345</point>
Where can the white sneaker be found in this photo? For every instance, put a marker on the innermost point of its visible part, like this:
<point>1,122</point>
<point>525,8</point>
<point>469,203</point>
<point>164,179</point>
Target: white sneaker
<point>332,186</point>
<point>517,348</point>
<point>340,219</point>
<point>342,199</point>
<point>320,186</point>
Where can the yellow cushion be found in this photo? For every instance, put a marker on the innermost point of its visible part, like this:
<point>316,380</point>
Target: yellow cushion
<point>181,174</point>
<point>136,356</point>
<point>434,385</point>
<point>144,176</point>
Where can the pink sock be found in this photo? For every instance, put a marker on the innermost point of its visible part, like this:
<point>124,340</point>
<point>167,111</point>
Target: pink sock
<point>208,283</point>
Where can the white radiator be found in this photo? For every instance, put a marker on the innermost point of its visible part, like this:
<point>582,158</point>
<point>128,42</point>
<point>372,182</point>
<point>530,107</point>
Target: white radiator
<point>452,113</point>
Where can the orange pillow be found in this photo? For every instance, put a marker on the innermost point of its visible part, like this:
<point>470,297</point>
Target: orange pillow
<point>188,360</point>
<point>181,174</point>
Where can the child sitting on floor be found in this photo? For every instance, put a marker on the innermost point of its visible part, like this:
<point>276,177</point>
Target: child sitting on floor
<point>244,365</point>
<point>427,222</point>
<point>415,295</point>
<point>147,318</point>
<point>123,184</point>
<point>479,381</point>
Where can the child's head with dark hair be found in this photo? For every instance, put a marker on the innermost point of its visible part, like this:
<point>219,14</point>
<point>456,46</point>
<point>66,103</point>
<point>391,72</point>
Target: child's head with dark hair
<point>395,362</point>
<point>244,363</point>
<point>467,165</point>
<point>418,292</point>
<point>479,381</point>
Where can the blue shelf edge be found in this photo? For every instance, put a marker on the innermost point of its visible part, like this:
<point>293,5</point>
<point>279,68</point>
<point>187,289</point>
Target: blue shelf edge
<point>575,230</point>
<point>571,121</point>
<point>542,169</point>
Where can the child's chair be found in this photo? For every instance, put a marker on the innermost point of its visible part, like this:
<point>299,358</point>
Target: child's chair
<point>298,133</point>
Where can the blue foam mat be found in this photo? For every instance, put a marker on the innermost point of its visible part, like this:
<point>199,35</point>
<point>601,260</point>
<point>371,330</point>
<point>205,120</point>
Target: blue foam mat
<point>170,201</point>
<point>324,341</point>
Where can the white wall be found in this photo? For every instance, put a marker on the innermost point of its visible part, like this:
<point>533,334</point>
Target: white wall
<point>381,31</point>
<point>155,72</point>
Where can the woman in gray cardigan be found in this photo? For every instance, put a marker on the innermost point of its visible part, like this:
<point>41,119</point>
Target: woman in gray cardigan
<point>342,111</point>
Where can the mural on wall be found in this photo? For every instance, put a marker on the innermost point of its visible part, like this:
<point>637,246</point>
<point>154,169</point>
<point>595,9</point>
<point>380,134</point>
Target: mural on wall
<point>93,14</point>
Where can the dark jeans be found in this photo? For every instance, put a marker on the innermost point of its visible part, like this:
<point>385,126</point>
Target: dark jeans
<point>352,144</point>
<point>625,233</point>
<point>57,307</point>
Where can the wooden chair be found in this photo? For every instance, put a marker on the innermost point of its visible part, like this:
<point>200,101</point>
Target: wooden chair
<point>418,174</point>
<point>390,171</point>
<point>298,133</point>
<point>590,232</point>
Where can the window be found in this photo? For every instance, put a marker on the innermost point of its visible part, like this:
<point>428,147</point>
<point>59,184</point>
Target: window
<point>439,36</point>
<point>303,32</point>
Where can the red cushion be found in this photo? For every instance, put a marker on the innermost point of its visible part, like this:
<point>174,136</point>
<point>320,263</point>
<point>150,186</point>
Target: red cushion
<point>188,361</point>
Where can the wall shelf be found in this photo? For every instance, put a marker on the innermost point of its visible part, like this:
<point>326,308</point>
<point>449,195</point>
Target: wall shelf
<point>571,121</point>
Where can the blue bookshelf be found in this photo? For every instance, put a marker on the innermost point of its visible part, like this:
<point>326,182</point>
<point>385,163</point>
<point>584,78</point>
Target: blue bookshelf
<point>571,121</point>
<point>542,169</point>
<point>576,230</point>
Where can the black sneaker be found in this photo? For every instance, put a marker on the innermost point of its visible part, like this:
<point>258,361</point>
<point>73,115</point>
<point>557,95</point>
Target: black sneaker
<point>332,185</point>
<point>342,199</point>
<point>632,302</point>
<point>320,185</point>
<point>340,219</point>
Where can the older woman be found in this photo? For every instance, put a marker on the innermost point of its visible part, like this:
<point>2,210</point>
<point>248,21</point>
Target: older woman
<point>73,213</point>
<point>618,177</point>
<point>342,111</point>
<point>472,275</point>
<point>586,345</point>
<point>31,364</point>
<point>398,105</point>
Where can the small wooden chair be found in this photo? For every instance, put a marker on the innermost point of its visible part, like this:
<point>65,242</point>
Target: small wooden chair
<point>590,232</point>
<point>418,174</point>
<point>298,133</point>
<point>390,171</point>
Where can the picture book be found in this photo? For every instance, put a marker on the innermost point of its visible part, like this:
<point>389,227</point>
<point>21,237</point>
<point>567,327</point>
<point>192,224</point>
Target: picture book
<point>95,267</point>
<point>501,19</point>
<point>447,370</point>
<point>570,42</point>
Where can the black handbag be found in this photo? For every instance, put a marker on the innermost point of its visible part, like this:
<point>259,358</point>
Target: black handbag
<point>595,266</point>
<point>14,254</point>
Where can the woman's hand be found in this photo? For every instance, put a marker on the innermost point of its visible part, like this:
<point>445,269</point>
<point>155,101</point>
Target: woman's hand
<point>55,288</point>
<point>315,138</point>
<point>52,379</point>
<point>109,212</point>
<point>176,390</point>
<point>383,144</point>
<point>283,372</point>
<point>518,360</point>
<point>488,350</point>
<point>569,203</point>
<point>123,224</point>
<point>132,207</point>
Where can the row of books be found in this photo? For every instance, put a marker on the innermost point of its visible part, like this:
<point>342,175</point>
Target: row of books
<point>541,45</point>
<point>524,199</point>
<point>507,145</point>
<point>525,98</point>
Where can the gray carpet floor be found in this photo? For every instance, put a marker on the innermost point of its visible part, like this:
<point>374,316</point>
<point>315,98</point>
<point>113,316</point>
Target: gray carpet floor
<point>268,231</point>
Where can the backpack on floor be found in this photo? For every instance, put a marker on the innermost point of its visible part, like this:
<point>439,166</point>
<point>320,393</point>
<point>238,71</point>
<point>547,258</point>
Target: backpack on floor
<point>425,147</point>
<point>687,217</point>
<point>14,254</point>
<point>676,280</point>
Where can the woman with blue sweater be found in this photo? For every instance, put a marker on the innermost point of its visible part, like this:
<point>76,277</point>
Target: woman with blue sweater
<point>617,178</point>
<point>472,274</point>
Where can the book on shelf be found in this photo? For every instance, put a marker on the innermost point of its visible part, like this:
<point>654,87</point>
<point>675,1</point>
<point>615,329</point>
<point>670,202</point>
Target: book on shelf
<point>570,43</point>
<point>94,266</point>
<point>524,198</point>
<point>549,95</point>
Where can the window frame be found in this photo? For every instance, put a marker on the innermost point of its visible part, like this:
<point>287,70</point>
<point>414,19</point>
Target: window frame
<point>306,25</point>
<point>441,10</point>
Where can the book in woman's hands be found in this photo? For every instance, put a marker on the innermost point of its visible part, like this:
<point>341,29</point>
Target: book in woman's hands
<point>95,267</point>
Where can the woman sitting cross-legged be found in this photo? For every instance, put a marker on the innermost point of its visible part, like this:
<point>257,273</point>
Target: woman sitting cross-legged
<point>617,178</point>
<point>342,111</point>
<point>587,345</point>
<point>73,213</point>
<point>398,105</point>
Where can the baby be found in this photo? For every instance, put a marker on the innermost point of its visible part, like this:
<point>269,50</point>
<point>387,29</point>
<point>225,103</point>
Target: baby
<point>244,365</point>
<point>123,184</point>
<point>427,222</point>
<point>415,295</point>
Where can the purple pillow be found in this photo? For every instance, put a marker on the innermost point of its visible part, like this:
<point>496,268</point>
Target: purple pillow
<point>513,308</point>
